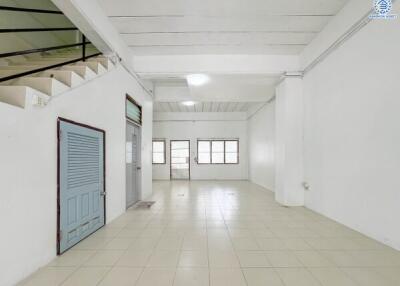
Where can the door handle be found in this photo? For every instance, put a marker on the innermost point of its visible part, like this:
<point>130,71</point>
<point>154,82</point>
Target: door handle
<point>139,168</point>
<point>103,194</point>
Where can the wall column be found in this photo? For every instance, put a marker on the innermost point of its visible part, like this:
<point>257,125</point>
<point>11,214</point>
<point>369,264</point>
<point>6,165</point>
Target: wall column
<point>289,142</point>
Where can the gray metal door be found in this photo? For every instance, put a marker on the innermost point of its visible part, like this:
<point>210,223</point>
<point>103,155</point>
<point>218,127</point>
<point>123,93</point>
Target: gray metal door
<point>132,164</point>
<point>81,206</point>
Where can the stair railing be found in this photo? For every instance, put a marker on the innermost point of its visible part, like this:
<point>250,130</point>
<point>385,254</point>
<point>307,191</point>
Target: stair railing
<point>82,44</point>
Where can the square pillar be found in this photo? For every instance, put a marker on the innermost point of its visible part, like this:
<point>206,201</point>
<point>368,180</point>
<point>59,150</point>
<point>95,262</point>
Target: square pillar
<point>289,190</point>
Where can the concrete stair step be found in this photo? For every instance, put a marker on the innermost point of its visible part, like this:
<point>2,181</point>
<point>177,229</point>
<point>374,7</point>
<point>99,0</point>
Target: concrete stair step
<point>69,78</point>
<point>46,85</point>
<point>21,67</point>
<point>16,69</point>
<point>81,70</point>
<point>94,66</point>
<point>9,72</point>
<point>3,63</point>
<point>63,56</point>
<point>106,62</point>
<point>37,89</point>
<point>103,60</point>
<point>92,63</point>
<point>34,56</point>
<point>17,59</point>
<point>41,62</point>
<point>22,96</point>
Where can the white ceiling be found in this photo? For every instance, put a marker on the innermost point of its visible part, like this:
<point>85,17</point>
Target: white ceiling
<point>205,107</point>
<point>219,26</point>
<point>219,88</point>
<point>238,87</point>
<point>223,93</point>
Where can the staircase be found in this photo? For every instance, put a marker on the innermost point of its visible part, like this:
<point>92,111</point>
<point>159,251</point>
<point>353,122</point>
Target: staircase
<point>37,89</point>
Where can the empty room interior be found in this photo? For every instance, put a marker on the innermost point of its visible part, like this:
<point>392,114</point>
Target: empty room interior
<point>200,143</point>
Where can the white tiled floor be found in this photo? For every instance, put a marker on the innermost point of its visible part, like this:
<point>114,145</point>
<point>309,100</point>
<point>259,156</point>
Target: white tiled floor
<point>222,234</point>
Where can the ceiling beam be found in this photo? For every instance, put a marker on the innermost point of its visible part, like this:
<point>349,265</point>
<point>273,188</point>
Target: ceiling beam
<point>220,8</point>
<point>199,116</point>
<point>184,93</point>
<point>181,65</point>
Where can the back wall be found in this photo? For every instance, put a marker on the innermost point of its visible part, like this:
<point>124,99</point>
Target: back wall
<point>172,128</point>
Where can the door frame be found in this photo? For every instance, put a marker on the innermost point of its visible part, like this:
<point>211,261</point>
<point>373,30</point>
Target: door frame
<point>170,158</point>
<point>139,184</point>
<point>59,120</point>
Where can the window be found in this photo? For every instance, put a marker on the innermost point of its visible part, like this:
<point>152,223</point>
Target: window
<point>231,152</point>
<point>218,151</point>
<point>159,152</point>
<point>204,152</point>
<point>133,110</point>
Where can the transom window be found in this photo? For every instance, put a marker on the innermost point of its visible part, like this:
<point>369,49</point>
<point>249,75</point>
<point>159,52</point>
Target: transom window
<point>133,110</point>
<point>159,152</point>
<point>218,151</point>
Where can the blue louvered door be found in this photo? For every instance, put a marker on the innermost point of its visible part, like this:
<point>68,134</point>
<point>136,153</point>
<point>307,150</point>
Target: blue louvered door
<point>81,183</point>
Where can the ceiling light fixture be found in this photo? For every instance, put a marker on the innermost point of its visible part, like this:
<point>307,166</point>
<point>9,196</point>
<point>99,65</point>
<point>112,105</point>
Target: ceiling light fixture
<point>197,79</point>
<point>188,103</point>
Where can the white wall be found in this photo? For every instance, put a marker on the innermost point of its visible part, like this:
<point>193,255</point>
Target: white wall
<point>200,128</point>
<point>352,134</point>
<point>351,13</point>
<point>289,171</point>
<point>28,169</point>
<point>261,144</point>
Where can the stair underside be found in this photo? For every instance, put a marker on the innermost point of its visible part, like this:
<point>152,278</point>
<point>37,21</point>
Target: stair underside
<point>22,96</point>
<point>38,88</point>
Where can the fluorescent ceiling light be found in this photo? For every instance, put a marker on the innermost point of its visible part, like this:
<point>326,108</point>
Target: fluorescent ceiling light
<point>188,103</point>
<point>197,79</point>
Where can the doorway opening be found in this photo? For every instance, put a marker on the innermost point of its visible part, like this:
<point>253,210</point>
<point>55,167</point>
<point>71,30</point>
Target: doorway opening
<point>133,151</point>
<point>180,160</point>
<point>133,167</point>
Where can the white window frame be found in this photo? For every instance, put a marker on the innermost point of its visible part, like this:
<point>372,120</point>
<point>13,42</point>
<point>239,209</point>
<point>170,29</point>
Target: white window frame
<point>218,140</point>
